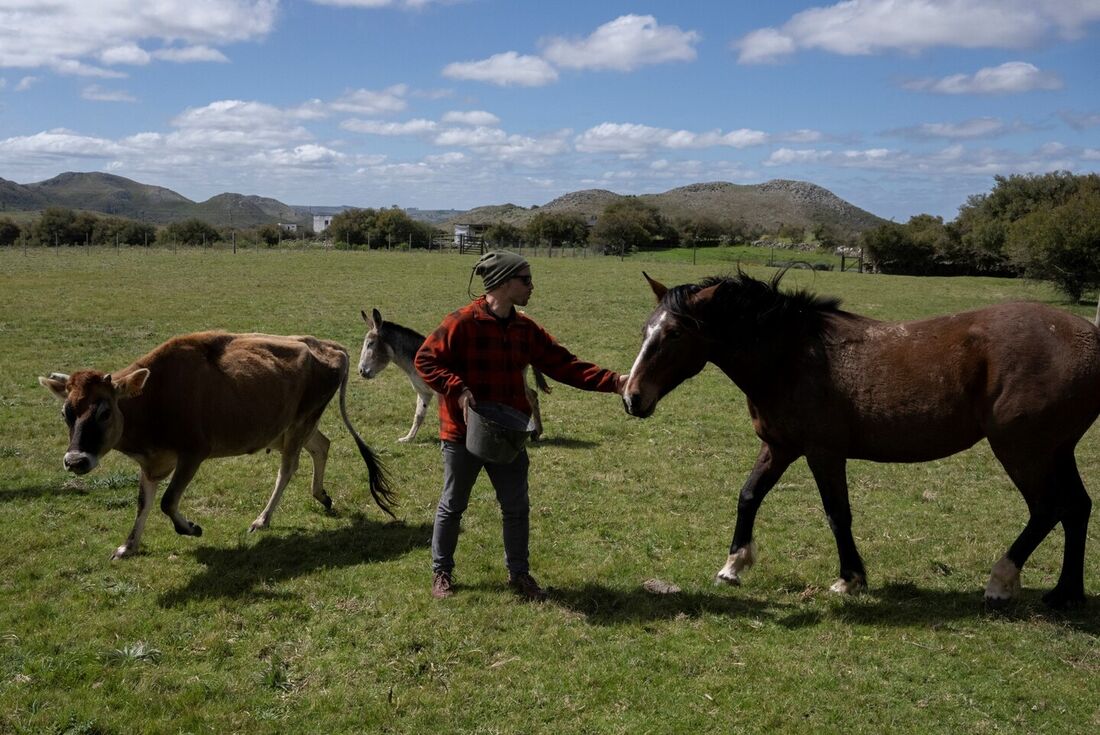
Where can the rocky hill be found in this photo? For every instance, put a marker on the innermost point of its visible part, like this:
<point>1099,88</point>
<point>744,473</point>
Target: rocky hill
<point>768,205</point>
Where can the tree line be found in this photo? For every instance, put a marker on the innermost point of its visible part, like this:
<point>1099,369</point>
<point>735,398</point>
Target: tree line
<point>1043,226</point>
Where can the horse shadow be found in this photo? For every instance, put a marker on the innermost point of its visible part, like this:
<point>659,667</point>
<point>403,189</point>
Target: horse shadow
<point>602,605</point>
<point>244,571</point>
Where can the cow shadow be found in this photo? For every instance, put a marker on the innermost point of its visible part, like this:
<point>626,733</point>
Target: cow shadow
<point>245,571</point>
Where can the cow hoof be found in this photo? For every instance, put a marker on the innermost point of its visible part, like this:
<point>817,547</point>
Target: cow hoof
<point>196,530</point>
<point>257,525</point>
<point>998,604</point>
<point>405,439</point>
<point>327,502</point>
<point>852,586</point>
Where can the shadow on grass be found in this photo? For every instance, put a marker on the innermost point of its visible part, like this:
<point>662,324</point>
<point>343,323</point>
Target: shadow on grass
<point>243,571</point>
<point>564,442</point>
<point>905,604</point>
<point>607,606</point>
<point>36,490</point>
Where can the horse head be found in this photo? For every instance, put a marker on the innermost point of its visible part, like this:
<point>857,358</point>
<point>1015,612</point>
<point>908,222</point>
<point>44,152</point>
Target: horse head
<point>673,349</point>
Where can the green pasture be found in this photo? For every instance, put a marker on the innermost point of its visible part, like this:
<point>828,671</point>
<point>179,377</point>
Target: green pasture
<point>324,623</point>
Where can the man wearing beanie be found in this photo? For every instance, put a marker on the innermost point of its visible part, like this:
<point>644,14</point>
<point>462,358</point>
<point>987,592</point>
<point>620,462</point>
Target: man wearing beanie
<point>479,353</point>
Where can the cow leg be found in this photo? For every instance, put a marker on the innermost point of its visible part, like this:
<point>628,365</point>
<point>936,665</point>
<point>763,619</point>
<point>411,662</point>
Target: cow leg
<point>317,446</point>
<point>287,468</point>
<point>832,483</point>
<point>147,491</point>
<point>536,413</point>
<point>769,467</point>
<point>422,402</point>
<point>186,467</point>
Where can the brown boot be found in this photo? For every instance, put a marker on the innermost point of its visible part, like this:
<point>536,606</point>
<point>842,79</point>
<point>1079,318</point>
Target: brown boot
<point>443,585</point>
<point>525,586</point>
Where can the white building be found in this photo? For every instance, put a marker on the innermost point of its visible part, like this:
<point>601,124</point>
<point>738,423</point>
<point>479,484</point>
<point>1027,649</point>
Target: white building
<point>321,222</point>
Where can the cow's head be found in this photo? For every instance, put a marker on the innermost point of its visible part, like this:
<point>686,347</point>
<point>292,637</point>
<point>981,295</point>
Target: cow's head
<point>91,412</point>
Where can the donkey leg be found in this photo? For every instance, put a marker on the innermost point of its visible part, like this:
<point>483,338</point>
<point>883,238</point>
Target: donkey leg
<point>769,467</point>
<point>317,445</point>
<point>830,473</point>
<point>422,402</point>
<point>1074,507</point>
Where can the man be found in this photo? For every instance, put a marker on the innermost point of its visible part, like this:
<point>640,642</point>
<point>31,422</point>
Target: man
<point>477,354</point>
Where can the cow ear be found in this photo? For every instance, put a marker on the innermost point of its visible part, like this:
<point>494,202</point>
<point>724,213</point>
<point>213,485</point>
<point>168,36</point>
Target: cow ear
<point>131,384</point>
<point>56,383</point>
<point>377,318</point>
<point>659,289</point>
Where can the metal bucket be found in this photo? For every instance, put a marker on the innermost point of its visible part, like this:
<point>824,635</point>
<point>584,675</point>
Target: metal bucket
<point>496,433</point>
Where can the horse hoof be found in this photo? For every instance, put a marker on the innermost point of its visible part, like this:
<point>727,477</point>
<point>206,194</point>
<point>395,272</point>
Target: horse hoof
<point>196,529</point>
<point>327,502</point>
<point>848,587</point>
<point>404,440</point>
<point>121,553</point>
<point>724,577</point>
<point>998,604</point>
<point>1057,599</point>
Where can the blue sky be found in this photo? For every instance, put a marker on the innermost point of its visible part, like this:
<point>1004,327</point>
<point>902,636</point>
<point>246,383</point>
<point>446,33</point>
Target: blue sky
<point>899,106</point>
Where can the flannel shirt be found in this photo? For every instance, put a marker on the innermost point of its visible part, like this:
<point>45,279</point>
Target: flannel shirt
<point>474,349</point>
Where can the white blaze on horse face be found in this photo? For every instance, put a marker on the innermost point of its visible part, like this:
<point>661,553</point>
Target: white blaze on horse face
<point>651,333</point>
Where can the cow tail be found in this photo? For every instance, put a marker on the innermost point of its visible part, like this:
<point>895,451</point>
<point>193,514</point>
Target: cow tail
<point>540,381</point>
<point>380,488</point>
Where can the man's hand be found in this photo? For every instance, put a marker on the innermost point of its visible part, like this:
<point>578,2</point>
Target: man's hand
<point>620,384</point>
<point>466,400</point>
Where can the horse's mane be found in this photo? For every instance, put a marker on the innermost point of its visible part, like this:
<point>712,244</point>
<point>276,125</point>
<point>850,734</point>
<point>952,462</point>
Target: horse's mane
<point>741,303</point>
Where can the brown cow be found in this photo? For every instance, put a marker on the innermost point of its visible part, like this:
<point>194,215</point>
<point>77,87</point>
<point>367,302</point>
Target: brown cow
<point>210,394</point>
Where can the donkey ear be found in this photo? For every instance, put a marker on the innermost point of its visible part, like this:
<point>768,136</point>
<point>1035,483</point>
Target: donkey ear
<point>56,383</point>
<point>377,318</point>
<point>659,289</point>
<point>364,315</point>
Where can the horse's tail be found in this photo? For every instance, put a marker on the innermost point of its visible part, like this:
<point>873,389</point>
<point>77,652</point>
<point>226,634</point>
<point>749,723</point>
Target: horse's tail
<point>540,380</point>
<point>380,488</point>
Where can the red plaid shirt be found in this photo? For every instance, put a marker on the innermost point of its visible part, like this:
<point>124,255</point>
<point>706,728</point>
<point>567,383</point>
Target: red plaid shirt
<point>474,349</point>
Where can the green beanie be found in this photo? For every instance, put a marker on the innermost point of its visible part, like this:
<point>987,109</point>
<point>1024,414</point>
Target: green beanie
<point>497,266</point>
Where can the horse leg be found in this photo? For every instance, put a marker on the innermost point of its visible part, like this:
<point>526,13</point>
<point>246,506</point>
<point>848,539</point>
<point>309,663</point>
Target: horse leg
<point>769,467</point>
<point>1074,508</point>
<point>317,445</point>
<point>1038,482</point>
<point>422,402</point>
<point>830,473</point>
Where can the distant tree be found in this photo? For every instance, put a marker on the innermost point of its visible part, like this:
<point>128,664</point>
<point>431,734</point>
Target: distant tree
<point>109,230</point>
<point>549,228</point>
<point>700,231</point>
<point>269,234</point>
<point>503,234</point>
<point>629,224</point>
<point>191,232</point>
<point>893,249</point>
<point>1060,244</point>
<point>828,236</point>
<point>57,226</point>
<point>9,231</point>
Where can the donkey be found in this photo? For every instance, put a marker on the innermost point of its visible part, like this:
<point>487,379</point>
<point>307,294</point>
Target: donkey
<point>387,342</point>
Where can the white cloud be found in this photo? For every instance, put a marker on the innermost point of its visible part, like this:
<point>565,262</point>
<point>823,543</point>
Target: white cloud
<point>25,83</point>
<point>95,93</point>
<point>378,127</point>
<point>624,44</point>
<point>856,27</point>
<point>495,144</point>
<point>409,4</point>
<point>368,102</point>
<point>1012,77</point>
<point>1081,122</point>
<point>634,139</point>
<point>63,35</point>
<point>979,127</point>
<point>240,124</point>
<point>504,70</point>
<point>191,54</point>
<point>60,143</point>
<point>472,117</point>
<point>303,156</point>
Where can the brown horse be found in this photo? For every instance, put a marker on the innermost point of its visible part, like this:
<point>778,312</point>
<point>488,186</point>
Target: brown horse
<point>831,385</point>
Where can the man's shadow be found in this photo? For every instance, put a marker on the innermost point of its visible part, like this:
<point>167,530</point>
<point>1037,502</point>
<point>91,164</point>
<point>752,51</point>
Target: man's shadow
<point>240,571</point>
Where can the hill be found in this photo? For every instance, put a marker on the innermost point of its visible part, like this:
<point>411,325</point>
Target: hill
<point>768,205</point>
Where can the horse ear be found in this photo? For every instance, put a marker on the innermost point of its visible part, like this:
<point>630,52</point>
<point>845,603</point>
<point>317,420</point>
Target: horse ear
<point>659,289</point>
<point>364,315</point>
<point>377,318</point>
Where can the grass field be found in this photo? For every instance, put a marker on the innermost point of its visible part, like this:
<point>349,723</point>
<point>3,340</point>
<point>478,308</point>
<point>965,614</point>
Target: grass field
<point>324,623</point>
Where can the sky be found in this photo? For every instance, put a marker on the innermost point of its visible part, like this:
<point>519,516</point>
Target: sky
<point>901,107</point>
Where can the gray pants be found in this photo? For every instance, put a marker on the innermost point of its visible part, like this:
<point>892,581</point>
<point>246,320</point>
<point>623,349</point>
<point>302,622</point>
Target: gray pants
<point>460,471</point>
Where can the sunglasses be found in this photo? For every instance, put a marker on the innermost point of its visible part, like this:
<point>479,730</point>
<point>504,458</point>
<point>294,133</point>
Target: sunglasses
<point>526,279</point>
